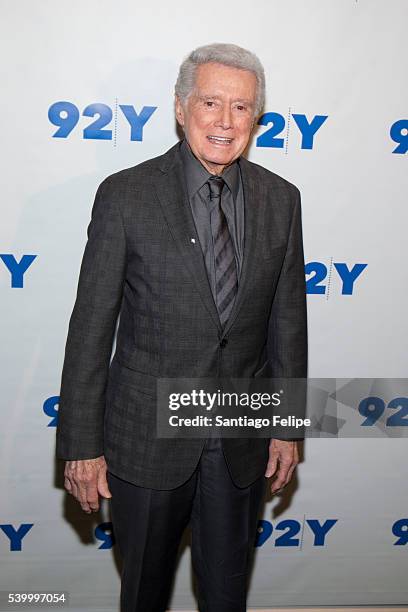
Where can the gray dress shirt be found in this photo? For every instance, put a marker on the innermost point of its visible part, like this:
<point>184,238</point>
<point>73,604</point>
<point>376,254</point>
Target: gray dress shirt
<point>232,198</point>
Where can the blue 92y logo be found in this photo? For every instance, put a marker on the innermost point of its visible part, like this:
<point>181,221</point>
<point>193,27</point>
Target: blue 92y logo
<point>318,271</point>
<point>400,530</point>
<point>279,125</point>
<point>372,409</point>
<point>399,134</point>
<point>65,115</point>
<point>289,532</point>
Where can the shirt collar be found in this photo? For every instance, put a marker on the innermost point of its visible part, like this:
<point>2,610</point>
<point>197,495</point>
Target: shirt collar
<point>197,174</point>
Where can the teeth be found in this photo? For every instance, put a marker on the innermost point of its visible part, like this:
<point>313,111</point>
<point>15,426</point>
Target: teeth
<point>220,138</point>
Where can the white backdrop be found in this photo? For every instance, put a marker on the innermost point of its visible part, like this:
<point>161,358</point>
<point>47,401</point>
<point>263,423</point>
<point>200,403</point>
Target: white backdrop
<point>341,59</point>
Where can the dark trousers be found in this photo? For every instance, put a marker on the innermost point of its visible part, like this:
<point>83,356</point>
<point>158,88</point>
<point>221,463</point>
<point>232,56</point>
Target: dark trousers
<point>148,525</point>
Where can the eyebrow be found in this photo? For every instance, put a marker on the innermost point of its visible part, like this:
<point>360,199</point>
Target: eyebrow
<point>208,96</point>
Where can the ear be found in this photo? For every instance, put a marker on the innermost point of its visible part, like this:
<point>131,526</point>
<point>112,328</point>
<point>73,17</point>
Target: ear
<point>179,111</point>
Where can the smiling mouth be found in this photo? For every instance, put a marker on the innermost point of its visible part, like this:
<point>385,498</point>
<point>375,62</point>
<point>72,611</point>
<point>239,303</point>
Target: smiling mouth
<point>220,140</point>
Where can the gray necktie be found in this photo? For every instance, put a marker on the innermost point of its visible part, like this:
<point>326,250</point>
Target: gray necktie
<point>226,279</point>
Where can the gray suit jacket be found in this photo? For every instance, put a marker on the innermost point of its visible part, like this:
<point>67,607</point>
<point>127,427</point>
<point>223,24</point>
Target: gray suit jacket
<point>139,262</point>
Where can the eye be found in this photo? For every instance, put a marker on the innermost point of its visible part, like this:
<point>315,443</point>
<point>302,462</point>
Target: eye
<point>209,103</point>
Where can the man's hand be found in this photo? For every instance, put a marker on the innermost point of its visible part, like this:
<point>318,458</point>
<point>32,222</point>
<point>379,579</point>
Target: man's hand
<point>283,458</point>
<point>85,479</point>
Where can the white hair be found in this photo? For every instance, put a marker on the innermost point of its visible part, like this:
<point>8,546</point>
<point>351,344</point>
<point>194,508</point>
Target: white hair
<point>221,53</point>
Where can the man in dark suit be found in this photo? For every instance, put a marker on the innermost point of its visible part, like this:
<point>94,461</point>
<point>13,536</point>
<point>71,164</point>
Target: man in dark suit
<point>200,252</point>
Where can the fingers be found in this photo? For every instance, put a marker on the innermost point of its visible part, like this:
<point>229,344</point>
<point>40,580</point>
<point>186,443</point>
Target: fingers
<point>272,460</point>
<point>103,485</point>
<point>281,477</point>
<point>271,467</point>
<point>288,458</point>
<point>88,498</point>
<point>85,479</point>
<point>290,473</point>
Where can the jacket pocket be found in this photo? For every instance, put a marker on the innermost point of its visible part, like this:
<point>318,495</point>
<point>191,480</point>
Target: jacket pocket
<point>121,374</point>
<point>262,369</point>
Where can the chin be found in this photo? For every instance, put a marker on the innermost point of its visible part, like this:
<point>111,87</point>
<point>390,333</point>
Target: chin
<point>220,157</point>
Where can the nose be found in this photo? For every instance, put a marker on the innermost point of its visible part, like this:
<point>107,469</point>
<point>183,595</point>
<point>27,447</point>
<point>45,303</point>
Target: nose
<point>224,119</point>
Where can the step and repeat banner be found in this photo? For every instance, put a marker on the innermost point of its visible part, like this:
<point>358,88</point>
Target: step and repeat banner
<point>88,90</point>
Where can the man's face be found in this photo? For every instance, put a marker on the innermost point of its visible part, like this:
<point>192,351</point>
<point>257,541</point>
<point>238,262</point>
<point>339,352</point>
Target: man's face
<point>219,114</point>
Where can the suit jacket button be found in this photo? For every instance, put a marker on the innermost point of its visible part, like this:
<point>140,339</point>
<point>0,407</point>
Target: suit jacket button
<point>223,343</point>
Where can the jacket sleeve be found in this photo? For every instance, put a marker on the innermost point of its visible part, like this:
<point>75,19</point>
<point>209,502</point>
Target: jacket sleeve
<point>91,330</point>
<point>287,330</point>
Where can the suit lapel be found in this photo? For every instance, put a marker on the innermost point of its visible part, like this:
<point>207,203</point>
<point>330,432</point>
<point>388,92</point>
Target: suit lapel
<point>177,211</point>
<point>176,208</point>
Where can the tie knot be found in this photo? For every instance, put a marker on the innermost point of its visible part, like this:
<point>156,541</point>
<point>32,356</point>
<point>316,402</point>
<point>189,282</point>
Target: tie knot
<point>215,183</point>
